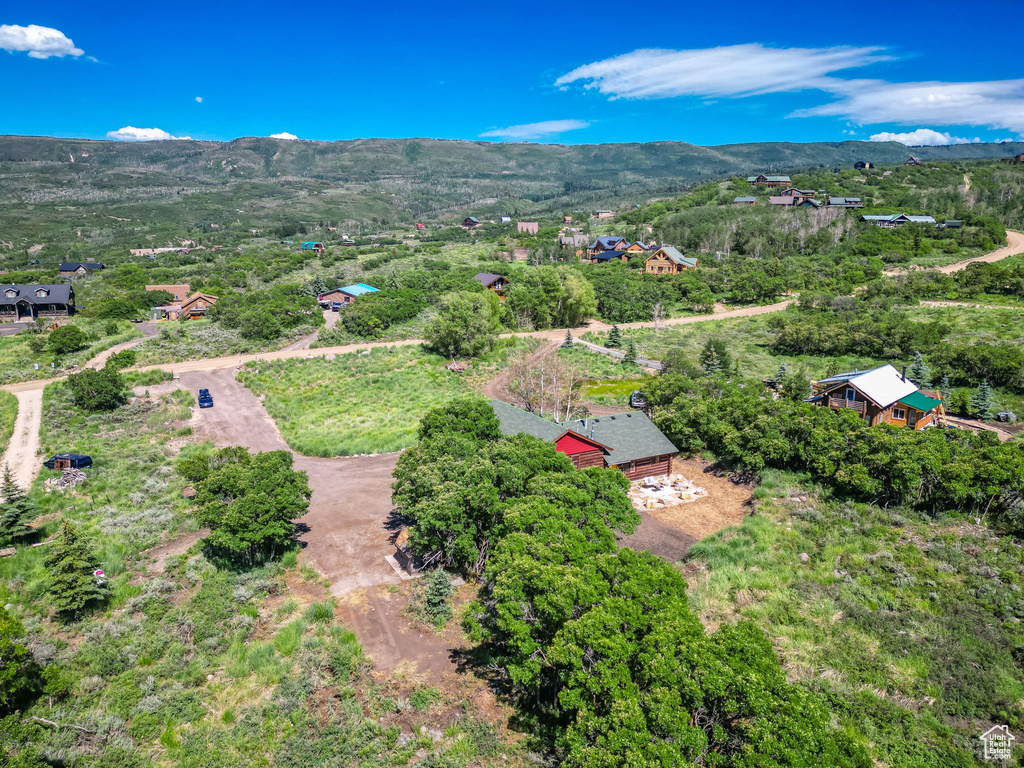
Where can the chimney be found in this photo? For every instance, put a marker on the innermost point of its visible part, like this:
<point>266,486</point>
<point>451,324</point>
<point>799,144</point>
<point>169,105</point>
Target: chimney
<point>903,373</point>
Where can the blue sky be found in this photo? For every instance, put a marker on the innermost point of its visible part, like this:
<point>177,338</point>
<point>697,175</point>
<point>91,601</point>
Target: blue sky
<point>709,73</point>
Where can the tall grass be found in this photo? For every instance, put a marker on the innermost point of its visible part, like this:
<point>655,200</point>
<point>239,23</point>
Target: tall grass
<point>8,413</point>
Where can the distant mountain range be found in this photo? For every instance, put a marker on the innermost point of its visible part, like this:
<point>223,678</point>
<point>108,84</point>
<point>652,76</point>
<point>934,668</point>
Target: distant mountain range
<point>261,181</point>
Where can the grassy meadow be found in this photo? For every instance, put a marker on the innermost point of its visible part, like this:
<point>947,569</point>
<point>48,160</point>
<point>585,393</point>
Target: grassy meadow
<point>18,361</point>
<point>908,626</point>
<point>362,402</point>
<point>199,339</point>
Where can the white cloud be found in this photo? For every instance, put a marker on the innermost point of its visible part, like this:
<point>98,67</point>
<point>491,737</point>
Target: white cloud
<point>747,70</point>
<point>923,137</point>
<point>199,99</point>
<point>40,42</point>
<point>996,103</point>
<point>539,130</point>
<point>732,70</point>
<point>284,136</point>
<point>130,133</point>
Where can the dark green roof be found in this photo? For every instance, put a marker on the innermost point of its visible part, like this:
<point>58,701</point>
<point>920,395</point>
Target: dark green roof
<point>630,436</point>
<point>514,421</point>
<point>920,401</point>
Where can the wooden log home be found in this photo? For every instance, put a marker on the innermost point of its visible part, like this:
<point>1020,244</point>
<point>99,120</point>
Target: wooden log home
<point>668,261</point>
<point>346,294</point>
<point>880,396</point>
<point>492,282</point>
<point>769,181</point>
<point>628,441</point>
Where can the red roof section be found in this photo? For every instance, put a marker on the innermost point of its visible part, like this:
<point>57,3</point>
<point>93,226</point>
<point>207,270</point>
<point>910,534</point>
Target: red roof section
<point>573,444</point>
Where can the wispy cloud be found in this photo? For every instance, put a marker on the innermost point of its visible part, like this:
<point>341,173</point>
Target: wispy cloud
<point>923,137</point>
<point>39,42</point>
<point>285,136</point>
<point>733,70</point>
<point>130,133</point>
<point>748,70</point>
<point>541,130</point>
<point>199,99</point>
<point>996,103</point>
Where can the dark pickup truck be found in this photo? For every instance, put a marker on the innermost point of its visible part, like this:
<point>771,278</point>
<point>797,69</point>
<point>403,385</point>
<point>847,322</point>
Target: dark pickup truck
<point>205,399</point>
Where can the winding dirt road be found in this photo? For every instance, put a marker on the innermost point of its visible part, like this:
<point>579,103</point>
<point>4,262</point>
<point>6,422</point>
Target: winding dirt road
<point>22,454</point>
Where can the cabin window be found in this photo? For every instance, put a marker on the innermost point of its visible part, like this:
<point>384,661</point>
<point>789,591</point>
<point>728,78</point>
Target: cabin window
<point>900,414</point>
<point>851,394</point>
<point>41,292</point>
<point>11,294</point>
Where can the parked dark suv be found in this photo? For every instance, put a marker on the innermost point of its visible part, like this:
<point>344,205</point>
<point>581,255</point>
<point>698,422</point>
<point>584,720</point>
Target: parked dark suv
<point>68,461</point>
<point>205,399</point>
<point>637,399</point>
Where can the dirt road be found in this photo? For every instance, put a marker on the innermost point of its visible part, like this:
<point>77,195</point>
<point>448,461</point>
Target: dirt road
<point>22,454</point>
<point>1014,245</point>
<point>149,330</point>
<point>330,320</point>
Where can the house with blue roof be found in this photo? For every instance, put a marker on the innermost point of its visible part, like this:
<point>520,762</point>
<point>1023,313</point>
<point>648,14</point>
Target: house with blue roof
<point>346,294</point>
<point>312,245</point>
<point>607,243</point>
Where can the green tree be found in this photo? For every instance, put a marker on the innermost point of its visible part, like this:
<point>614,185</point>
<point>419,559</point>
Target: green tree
<point>16,664</point>
<point>466,324</point>
<point>471,417</point>
<point>945,388</point>
<point>66,339</point>
<point>568,342</point>
<point>250,502</point>
<point>780,373</point>
<point>121,360</point>
<point>715,357</point>
<point>16,509</point>
<point>102,390</point>
<point>70,564</point>
<point>629,358</point>
<point>316,286</point>
<point>437,600</point>
<point>614,340</point>
<point>920,373</point>
<point>981,402</point>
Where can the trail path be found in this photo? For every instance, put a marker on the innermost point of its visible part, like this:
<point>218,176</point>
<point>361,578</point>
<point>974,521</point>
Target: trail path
<point>1014,245</point>
<point>149,330</point>
<point>22,454</point>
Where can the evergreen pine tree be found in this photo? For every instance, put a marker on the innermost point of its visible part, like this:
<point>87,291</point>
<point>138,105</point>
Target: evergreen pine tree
<point>981,402</point>
<point>920,374</point>
<point>568,343</point>
<point>945,388</point>
<point>630,357</point>
<point>70,564</point>
<point>318,286</point>
<point>16,509</point>
<point>780,374</point>
<point>439,589</point>
<point>614,338</point>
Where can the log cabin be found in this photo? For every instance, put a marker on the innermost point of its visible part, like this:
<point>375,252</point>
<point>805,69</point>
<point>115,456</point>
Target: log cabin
<point>769,181</point>
<point>629,442</point>
<point>607,243</point>
<point>346,294</point>
<point>668,261</point>
<point>879,396</point>
<point>78,268</point>
<point>492,282</point>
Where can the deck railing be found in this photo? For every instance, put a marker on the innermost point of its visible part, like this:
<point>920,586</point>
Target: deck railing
<point>853,405</point>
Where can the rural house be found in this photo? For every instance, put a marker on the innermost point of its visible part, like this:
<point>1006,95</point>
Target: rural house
<point>668,261</point>
<point>606,256</point>
<point>311,245</point>
<point>637,247</point>
<point>77,268</point>
<point>529,227</point>
<point>745,200</point>
<point>913,161</point>
<point>505,220</point>
<point>30,302</point>
<point>880,396</point>
<point>346,294</point>
<point>892,220</point>
<point>496,283</point>
<point>628,441</point>
<point>768,181</point>
<point>845,202</point>
<point>469,222</point>
<point>603,214</point>
<point>577,242</point>
<point>607,243</point>
<point>862,165</point>
<point>178,292</point>
<point>196,306</point>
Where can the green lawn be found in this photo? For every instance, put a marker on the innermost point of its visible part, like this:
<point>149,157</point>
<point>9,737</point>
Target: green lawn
<point>368,402</point>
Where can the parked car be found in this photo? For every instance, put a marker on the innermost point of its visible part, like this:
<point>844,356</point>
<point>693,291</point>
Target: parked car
<point>637,399</point>
<point>205,399</point>
<point>335,306</point>
<point>68,461</point>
